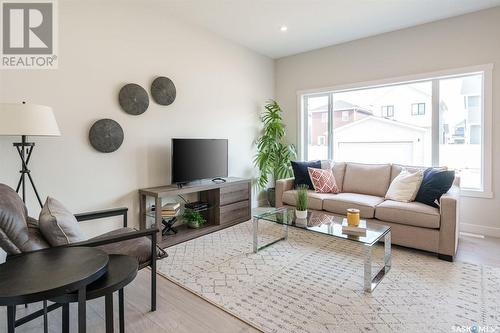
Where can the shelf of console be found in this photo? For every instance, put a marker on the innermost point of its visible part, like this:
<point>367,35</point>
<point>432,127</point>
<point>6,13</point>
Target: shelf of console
<point>231,202</point>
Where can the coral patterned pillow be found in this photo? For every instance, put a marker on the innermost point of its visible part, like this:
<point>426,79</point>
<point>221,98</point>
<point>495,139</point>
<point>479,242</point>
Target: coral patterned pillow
<point>323,180</point>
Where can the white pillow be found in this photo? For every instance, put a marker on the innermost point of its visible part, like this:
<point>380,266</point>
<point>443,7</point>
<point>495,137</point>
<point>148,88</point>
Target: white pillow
<point>405,186</point>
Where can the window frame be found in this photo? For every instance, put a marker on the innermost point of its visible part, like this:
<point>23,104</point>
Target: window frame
<point>345,113</point>
<point>486,191</point>
<point>418,113</point>
<point>387,110</point>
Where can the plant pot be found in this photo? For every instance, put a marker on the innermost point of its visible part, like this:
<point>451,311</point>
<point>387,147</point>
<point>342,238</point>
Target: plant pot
<point>271,196</point>
<point>194,225</point>
<point>301,214</point>
<point>302,223</point>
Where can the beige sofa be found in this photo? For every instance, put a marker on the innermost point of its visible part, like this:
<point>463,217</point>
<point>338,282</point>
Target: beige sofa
<point>363,186</point>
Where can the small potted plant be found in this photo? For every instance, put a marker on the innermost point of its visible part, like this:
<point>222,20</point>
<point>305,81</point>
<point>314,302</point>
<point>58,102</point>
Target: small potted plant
<point>193,218</point>
<point>301,209</point>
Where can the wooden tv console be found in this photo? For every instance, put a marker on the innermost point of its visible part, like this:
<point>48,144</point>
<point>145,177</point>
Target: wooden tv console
<point>229,204</point>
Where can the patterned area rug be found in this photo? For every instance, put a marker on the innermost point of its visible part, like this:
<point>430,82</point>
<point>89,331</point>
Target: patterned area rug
<point>314,283</point>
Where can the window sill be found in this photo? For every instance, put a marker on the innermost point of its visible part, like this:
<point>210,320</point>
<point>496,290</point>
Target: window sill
<point>476,194</point>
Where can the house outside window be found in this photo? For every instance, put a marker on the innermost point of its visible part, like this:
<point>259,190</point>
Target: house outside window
<point>324,117</point>
<point>387,111</point>
<point>345,115</point>
<point>472,101</point>
<point>418,109</point>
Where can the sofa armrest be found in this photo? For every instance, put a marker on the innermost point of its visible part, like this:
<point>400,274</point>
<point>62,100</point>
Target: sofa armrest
<point>448,232</point>
<point>282,186</point>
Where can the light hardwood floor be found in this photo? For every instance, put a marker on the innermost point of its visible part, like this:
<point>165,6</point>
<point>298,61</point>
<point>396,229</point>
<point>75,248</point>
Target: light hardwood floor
<point>183,312</point>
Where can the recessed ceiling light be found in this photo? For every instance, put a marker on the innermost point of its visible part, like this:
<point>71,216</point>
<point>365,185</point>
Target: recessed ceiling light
<point>283,28</point>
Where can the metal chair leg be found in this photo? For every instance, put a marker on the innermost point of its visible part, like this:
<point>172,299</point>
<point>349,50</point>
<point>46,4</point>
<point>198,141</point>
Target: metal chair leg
<point>45,318</point>
<point>121,310</point>
<point>108,300</point>
<point>82,310</point>
<point>11,318</point>
<point>153,273</point>
<point>65,318</point>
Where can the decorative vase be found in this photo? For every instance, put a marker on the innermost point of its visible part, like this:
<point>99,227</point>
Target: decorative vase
<point>194,224</point>
<point>301,214</point>
<point>271,196</point>
<point>302,223</point>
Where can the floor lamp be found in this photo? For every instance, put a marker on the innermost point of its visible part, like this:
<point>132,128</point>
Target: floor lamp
<point>27,120</point>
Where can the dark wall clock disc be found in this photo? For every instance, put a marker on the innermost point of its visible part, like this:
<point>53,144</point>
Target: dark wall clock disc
<point>133,99</point>
<point>106,135</point>
<point>163,91</point>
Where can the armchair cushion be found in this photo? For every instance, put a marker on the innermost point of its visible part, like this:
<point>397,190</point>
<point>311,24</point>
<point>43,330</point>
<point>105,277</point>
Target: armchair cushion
<point>14,236</point>
<point>139,248</point>
<point>58,225</point>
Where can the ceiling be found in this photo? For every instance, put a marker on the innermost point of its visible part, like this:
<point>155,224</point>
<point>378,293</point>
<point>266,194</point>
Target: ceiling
<point>312,24</point>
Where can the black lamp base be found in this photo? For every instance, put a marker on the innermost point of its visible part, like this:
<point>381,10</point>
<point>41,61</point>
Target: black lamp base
<point>25,149</point>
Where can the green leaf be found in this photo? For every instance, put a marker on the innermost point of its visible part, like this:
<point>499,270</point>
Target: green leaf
<point>273,155</point>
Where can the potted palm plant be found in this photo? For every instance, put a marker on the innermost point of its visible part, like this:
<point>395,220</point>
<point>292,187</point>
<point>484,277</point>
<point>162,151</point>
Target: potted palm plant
<point>301,206</point>
<point>273,155</point>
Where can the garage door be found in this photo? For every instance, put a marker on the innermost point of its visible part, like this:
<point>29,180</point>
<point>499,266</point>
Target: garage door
<point>375,152</point>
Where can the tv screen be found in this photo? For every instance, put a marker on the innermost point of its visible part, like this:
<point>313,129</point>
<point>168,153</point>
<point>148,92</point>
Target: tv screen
<point>194,159</point>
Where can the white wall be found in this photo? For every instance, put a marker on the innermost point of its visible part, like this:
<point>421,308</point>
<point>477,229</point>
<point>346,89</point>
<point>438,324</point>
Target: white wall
<point>221,87</point>
<point>453,43</point>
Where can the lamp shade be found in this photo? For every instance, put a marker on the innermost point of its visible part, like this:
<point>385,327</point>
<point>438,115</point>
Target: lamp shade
<point>27,119</point>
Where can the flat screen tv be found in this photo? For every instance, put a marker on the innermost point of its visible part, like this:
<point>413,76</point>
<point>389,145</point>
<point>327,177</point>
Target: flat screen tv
<point>196,159</point>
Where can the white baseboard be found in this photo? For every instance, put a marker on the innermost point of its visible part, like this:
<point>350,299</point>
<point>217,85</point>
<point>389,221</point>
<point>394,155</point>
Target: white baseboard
<point>480,230</point>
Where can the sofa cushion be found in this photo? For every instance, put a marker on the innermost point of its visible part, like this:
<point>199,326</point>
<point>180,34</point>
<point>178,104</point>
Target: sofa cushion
<point>410,213</point>
<point>405,186</point>
<point>397,168</point>
<point>338,171</point>
<point>315,199</point>
<point>300,173</point>
<point>371,179</point>
<point>58,225</point>
<point>37,240</point>
<point>139,248</point>
<point>339,203</point>
<point>323,180</point>
<point>436,182</point>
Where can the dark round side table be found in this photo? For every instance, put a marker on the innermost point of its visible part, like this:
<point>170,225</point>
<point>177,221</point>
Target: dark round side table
<point>39,276</point>
<point>122,270</point>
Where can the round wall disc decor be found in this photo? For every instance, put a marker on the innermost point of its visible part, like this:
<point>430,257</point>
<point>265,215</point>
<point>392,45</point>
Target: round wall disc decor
<point>163,91</point>
<point>133,99</point>
<point>106,135</point>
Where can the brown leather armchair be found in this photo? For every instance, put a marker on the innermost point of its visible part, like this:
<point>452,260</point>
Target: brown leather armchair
<point>20,234</point>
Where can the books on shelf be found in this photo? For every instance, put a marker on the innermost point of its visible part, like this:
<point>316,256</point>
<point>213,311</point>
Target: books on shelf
<point>171,206</point>
<point>168,214</point>
<point>360,230</point>
<point>170,209</point>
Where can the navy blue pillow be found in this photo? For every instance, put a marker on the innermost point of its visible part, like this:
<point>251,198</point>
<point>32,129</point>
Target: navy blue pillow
<point>301,174</point>
<point>435,183</point>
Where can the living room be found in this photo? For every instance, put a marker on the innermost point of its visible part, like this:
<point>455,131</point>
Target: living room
<point>219,112</point>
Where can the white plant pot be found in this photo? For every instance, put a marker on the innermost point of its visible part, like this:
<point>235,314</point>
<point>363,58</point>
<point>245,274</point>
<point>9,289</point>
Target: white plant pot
<point>301,214</point>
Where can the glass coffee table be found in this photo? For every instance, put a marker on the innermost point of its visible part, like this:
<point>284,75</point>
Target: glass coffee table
<point>331,225</point>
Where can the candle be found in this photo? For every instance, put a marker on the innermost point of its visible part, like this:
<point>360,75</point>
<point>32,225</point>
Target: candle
<point>353,217</point>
